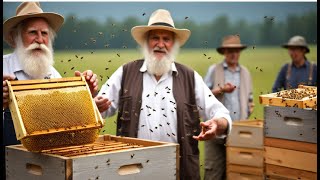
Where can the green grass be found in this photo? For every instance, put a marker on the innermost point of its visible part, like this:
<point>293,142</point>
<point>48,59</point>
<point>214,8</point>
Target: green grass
<point>269,59</point>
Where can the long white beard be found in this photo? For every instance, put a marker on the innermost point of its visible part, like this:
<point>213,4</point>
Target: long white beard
<point>36,64</point>
<point>161,66</point>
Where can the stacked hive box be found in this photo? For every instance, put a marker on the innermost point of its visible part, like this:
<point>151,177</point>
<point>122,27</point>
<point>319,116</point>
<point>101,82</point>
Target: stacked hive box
<point>245,150</point>
<point>290,135</point>
<point>110,157</point>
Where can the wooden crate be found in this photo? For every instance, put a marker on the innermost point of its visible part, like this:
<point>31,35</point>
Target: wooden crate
<point>247,133</point>
<point>280,172</point>
<point>291,158</point>
<point>245,156</point>
<point>306,102</point>
<point>110,157</point>
<point>290,123</point>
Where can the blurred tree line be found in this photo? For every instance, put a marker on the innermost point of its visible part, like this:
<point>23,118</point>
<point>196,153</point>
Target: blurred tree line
<point>90,34</point>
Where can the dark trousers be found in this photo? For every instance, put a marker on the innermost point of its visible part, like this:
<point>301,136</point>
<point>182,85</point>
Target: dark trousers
<point>215,159</point>
<point>9,138</point>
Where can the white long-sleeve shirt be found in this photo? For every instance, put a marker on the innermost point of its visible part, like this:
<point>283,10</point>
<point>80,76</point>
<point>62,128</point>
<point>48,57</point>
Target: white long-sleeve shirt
<point>158,116</point>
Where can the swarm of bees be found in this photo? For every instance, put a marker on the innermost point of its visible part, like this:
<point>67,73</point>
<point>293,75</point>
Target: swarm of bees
<point>297,94</point>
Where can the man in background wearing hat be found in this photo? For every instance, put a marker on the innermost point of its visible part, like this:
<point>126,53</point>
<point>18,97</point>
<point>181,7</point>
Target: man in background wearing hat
<point>161,100</point>
<point>231,83</point>
<point>300,70</point>
<point>31,34</point>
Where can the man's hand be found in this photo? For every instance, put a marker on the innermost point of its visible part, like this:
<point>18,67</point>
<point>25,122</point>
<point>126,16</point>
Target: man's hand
<point>229,88</point>
<point>5,100</point>
<point>102,103</point>
<point>212,128</point>
<point>91,79</point>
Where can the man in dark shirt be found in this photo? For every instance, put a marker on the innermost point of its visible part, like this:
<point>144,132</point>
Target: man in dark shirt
<point>300,70</point>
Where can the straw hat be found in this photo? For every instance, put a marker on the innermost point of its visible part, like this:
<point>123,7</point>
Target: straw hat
<point>160,19</point>
<point>29,10</point>
<point>231,42</point>
<point>297,41</point>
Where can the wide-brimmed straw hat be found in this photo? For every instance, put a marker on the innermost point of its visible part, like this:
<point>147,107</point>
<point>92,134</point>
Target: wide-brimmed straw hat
<point>160,19</point>
<point>231,42</point>
<point>29,10</point>
<point>297,41</point>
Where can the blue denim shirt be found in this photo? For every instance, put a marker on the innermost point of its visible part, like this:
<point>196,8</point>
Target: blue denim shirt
<point>298,75</point>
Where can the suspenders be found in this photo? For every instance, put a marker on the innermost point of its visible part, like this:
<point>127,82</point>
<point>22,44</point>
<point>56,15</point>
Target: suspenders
<point>289,73</point>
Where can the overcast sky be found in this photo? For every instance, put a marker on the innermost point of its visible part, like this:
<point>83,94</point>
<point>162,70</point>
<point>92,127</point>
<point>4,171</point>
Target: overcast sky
<point>197,11</point>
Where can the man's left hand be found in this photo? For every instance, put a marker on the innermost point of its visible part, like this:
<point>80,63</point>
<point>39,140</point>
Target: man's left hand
<point>91,79</point>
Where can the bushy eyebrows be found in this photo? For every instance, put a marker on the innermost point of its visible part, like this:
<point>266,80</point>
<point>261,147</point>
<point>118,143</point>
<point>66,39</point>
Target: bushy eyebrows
<point>35,29</point>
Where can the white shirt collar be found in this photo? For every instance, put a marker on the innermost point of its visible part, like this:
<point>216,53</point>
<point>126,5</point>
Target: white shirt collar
<point>144,67</point>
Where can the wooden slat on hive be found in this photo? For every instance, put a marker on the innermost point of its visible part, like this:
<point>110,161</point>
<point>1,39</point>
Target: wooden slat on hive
<point>290,158</point>
<point>293,145</point>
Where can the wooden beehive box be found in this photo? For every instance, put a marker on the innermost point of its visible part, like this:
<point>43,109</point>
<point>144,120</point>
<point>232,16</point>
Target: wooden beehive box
<point>52,113</point>
<point>246,133</point>
<point>302,97</point>
<point>281,173</point>
<point>243,172</point>
<point>110,157</point>
<point>245,156</point>
<point>290,159</point>
<point>290,123</point>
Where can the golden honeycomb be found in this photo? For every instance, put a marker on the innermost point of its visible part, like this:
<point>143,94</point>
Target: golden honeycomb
<point>53,109</point>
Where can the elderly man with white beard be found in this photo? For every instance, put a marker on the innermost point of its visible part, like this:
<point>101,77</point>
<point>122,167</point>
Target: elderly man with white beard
<point>162,100</point>
<point>31,33</point>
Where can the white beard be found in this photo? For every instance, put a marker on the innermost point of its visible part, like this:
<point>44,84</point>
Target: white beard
<point>161,66</point>
<point>36,64</point>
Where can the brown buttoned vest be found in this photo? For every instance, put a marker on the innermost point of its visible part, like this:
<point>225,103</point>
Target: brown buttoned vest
<point>187,113</point>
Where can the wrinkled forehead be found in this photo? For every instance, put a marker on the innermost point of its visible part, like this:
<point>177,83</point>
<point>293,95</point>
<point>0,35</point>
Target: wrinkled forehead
<point>33,23</point>
<point>161,32</point>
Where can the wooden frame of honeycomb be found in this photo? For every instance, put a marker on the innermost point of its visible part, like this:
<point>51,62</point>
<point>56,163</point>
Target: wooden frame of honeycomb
<point>302,97</point>
<point>53,113</point>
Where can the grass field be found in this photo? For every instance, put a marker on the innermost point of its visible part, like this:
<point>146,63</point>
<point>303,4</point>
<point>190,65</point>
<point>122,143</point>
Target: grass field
<point>269,59</point>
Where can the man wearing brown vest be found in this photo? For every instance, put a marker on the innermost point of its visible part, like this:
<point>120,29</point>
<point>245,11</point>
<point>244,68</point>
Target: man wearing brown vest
<point>232,85</point>
<point>159,99</point>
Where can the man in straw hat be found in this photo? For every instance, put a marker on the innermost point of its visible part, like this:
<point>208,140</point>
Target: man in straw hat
<point>31,34</point>
<point>159,99</point>
<point>300,70</point>
<point>231,83</point>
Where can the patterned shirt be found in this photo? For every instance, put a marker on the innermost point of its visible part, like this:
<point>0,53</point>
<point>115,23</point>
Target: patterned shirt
<point>156,101</point>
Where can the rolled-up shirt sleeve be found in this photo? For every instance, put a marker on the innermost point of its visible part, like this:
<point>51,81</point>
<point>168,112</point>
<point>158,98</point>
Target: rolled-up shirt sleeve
<point>209,106</point>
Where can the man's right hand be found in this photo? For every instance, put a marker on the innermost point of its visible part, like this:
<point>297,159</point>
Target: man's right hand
<point>102,103</point>
<point>5,100</point>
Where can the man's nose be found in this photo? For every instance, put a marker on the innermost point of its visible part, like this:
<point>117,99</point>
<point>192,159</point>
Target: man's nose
<point>39,38</point>
<point>161,44</point>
